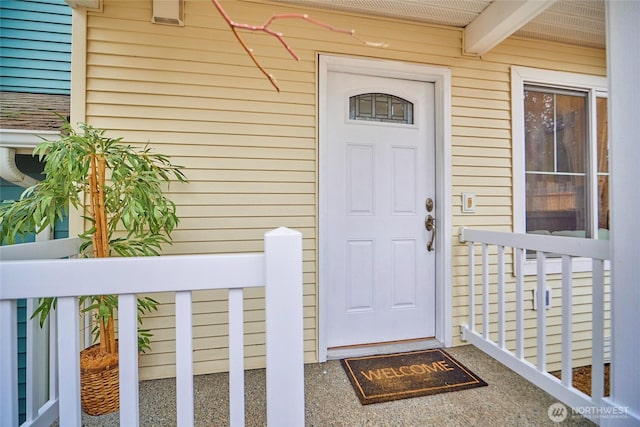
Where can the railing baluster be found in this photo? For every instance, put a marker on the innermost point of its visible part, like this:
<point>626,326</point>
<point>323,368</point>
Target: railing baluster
<point>520,255</point>
<point>567,321</point>
<point>236,358</point>
<point>36,363</point>
<point>8,363</point>
<point>184,359</point>
<point>541,332</point>
<point>597,328</point>
<point>501,297</point>
<point>54,392</point>
<point>128,359</point>
<point>69,362</point>
<point>32,367</point>
<point>472,279</point>
<point>485,291</point>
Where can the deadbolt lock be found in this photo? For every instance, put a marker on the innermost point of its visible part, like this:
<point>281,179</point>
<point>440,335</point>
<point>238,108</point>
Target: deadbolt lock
<point>429,204</point>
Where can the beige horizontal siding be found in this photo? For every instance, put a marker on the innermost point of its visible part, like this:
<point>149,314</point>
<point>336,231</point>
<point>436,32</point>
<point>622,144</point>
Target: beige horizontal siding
<point>251,154</point>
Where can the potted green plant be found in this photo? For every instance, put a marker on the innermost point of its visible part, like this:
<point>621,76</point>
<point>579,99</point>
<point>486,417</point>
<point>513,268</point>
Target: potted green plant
<point>128,215</point>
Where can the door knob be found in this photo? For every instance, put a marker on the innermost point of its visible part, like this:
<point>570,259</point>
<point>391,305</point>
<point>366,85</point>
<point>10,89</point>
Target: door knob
<point>430,225</point>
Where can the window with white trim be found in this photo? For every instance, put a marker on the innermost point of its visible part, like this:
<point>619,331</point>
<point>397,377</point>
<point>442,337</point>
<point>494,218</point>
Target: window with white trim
<point>561,173</point>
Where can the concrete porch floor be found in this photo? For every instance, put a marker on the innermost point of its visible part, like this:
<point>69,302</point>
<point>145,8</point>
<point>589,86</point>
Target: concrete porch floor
<point>509,400</point>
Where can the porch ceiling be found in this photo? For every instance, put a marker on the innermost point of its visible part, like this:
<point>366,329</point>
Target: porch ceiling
<point>578,22</point>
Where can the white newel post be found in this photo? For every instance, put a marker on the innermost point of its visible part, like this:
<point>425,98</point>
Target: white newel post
<point>284,317</point>
<point>623,65</point>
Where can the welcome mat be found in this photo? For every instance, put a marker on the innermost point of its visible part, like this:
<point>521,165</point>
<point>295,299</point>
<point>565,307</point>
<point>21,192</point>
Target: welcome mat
<point>398,376</point>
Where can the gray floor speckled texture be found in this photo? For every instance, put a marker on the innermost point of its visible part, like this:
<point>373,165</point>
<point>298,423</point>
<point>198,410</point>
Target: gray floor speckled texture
<point>509,400</point>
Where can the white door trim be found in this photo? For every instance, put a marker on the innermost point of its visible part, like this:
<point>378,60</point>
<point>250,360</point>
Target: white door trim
<point>441,77</point>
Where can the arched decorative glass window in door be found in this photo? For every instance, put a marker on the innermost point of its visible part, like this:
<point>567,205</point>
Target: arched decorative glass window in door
<point>380,107</point>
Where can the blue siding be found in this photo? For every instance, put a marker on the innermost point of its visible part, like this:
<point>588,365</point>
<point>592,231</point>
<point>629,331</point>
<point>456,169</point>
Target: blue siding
<point>18,36</point>
<point>20,58</point>
<point>35,46</point>
<point>9,191</point>
<point>43,6</point>
<point>22,360</point>
<point>14,10</point>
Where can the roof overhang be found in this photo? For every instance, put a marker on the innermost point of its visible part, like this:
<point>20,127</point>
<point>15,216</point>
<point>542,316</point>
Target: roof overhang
<point>486,23</point>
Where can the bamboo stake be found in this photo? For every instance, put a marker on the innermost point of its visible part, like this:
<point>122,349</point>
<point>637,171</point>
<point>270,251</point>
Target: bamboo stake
<point>110,337</point>
<point>101,241</point>
<point>102,166</point>
<point>107,335</point>
<point>93,204</point>
<point>104,345</point>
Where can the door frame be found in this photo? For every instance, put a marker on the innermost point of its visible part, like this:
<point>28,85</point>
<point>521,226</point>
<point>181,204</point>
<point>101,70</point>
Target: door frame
<point>441,78</point>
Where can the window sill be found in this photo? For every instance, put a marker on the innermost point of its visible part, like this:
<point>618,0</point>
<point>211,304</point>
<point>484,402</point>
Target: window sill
<point>554,266</point>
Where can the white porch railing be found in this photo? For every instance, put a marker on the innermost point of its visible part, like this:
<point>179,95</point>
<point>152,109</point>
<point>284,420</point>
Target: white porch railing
<point>567,247</point>
<point>42,375</point>
<point>279,269</point>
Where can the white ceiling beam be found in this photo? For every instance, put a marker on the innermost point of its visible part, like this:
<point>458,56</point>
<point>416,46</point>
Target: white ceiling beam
<point>498,21</point>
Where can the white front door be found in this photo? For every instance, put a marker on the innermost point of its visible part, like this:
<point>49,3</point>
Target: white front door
<point>380,147</point>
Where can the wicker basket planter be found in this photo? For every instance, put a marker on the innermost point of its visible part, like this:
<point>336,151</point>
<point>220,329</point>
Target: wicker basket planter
<point>99,382</point>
